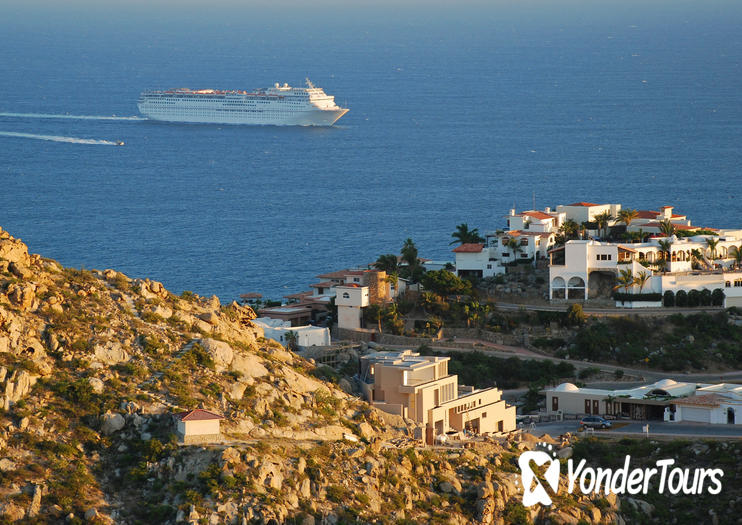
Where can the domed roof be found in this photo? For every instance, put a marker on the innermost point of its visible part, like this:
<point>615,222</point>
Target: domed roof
<point>665,383</point>
<point>566,387</point>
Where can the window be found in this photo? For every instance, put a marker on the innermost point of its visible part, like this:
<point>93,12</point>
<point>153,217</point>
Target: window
<point>489,266</point>
<point>346,295</point>
<point>554,403</point>
<point>484,415</point>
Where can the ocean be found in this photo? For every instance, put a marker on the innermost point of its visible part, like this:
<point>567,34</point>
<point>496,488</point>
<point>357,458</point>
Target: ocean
<point>456,115</point>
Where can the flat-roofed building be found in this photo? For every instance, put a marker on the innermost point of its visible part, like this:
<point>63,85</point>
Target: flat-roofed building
<point>420,388</point>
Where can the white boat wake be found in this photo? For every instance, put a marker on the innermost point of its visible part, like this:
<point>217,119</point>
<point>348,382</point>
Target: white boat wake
<point>55,138</point>
<point>77,117</point>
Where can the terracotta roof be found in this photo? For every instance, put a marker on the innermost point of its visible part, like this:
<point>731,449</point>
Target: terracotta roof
<point>537,215</point>
<point>706,400</point>
<point>647,214</point>
<point>251,295</point>
<point>621,246</point>
<point>349,285</point>
<point>299,295</point>
<point>198,414</point>
<point>340,274</point>
<point>679,226</point>
<point>516,233</point>
<point>326,284</point>
<point>469,248</point>
<point>583,204</point>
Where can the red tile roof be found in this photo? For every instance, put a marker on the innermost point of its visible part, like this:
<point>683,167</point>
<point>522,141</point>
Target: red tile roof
<point>516,233</point>
<point>707,400</point>
<point>469,248</point>
<point>340,274</point>
<point>537,215</point>
<point>251,295</point>
<point>198,414</point>
<point>299,295</point>
<point>326,284</point>
<point>583,204</point>
<point>679,226</point>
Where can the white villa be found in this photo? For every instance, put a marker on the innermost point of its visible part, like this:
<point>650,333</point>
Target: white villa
<point>306,336</point>
<point>534,233</point>
<point>420,388</point>
<point>588,269</point>
<point>664,400</point>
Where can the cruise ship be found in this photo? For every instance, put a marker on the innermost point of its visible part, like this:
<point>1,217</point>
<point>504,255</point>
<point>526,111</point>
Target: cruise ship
<point>280,105</point>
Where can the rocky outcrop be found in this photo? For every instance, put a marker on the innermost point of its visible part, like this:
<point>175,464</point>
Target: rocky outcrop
<point>110,353</point>
<point>13,250</point>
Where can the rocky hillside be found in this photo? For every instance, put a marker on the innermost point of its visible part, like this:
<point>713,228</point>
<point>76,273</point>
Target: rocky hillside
<point>93,364</point>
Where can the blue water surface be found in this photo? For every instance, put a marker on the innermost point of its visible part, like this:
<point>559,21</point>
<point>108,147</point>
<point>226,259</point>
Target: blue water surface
<point>456,114</point>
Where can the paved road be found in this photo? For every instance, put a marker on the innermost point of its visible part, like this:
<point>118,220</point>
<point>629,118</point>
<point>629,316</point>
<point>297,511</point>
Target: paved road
<point>656,428</point>
<point>648,375</point>
<point>607,311</point>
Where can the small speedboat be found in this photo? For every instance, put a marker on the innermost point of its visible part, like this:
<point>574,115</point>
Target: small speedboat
<point>119,142</point>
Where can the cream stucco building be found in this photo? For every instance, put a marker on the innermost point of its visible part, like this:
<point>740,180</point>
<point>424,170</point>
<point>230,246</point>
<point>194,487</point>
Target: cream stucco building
<point>420,388</point>
<point>198,426</point>
<point>664,400</point>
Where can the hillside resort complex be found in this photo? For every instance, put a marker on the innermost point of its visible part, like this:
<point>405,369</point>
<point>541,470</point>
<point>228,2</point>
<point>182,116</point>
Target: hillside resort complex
<point>589,248</point>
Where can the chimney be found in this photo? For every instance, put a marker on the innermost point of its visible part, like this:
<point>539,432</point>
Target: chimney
<point>666,212</point>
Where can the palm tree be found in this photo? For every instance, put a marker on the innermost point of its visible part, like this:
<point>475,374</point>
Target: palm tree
<point>641,234</point>
<point>641,280</point>
<point>712,242</point>
<point>667,228</point>
<point>626,216</point>
<point>602,219</point>
<point>737,255</point>
<point>570,229</point>
<point>409,253</point>
<point>665,247</point>
<point>463,235</point>
<point>514,244</point>
<point>696,257</point>
<point>625,280</point>
<point>388,263</point>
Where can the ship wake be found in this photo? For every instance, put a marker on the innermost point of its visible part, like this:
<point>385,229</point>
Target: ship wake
<point>55,138</point>
<point>65,116</point>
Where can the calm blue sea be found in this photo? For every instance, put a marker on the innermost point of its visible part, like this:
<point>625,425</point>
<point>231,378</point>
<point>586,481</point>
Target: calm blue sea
<point>456,114</point>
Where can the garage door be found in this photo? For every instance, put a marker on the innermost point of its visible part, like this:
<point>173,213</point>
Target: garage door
<point>700,415</point>
<point>733,301</point>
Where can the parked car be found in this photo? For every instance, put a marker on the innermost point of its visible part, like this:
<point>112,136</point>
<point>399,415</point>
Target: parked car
<point>594,422</point>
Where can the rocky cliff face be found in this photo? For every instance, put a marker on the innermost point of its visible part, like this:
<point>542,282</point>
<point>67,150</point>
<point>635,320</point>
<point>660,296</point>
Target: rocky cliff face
<point>93,364</point>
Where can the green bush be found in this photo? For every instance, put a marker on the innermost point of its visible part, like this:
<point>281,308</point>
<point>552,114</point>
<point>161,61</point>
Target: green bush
<point>694,298</point>
<point>669,298</point>
<point>637,297</point>
<point>717,297</point>
<point>706,297</point>
<point>681,298</point>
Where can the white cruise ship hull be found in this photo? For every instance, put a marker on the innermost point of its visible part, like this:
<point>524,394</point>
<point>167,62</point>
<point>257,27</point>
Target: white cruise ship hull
<point>276,106</point>
<point>300,118</point>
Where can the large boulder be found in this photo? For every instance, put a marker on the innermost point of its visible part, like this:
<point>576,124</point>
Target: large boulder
<point>13,250</point>
<point>249,365</point>
<point>112,422</point>
<point>111,353</point>
<point>219,351</point>
<point>22,295</point>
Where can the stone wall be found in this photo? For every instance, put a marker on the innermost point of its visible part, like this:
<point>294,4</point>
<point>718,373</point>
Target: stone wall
<point>200,439</point>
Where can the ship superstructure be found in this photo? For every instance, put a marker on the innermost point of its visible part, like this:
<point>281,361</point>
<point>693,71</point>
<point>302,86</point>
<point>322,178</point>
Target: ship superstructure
<point>280,105</point>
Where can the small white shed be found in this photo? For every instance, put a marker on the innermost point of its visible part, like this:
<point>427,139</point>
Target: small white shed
<point>198,426</point>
